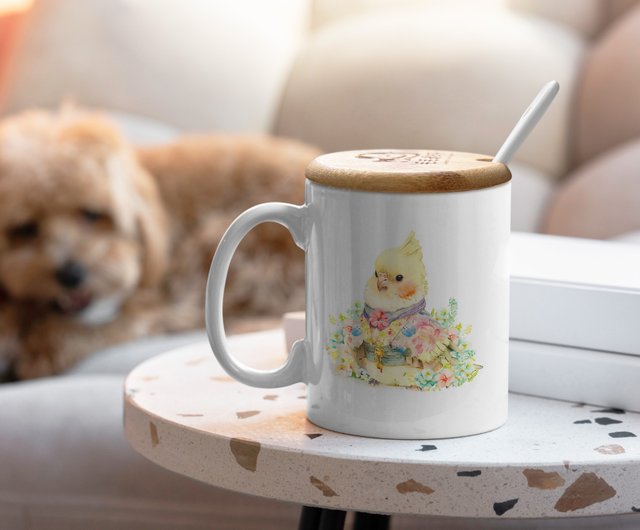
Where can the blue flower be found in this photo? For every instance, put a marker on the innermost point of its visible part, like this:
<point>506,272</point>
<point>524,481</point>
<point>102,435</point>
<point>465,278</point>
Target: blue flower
<point>409,331</point>
<point>356,332</point>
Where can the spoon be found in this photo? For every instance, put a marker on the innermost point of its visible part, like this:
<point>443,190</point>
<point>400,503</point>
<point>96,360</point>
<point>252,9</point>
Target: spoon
<point>527,122</point>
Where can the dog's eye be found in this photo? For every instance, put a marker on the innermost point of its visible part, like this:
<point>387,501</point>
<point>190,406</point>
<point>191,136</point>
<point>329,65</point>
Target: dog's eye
<point>94,216</point>
<point>23,231</point>
<point>399,277</point>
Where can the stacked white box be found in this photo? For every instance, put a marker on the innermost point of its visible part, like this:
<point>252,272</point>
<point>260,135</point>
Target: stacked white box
<point>575,320</point>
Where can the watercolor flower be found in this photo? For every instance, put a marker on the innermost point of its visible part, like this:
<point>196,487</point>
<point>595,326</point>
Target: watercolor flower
<point>409,331</point>
<point>433,338</point>
<point>445,378</point>
<point>418,345</point>
<point>379,319</point>
<point>352,334</point>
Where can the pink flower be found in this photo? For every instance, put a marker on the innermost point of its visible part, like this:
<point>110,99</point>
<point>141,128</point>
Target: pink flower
<point>418,346</point>
<point>445,378</point>
<point>432,336</point>
<point>378,319</point>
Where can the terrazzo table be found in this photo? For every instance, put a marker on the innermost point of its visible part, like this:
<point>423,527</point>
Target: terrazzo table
<point>551,459</point>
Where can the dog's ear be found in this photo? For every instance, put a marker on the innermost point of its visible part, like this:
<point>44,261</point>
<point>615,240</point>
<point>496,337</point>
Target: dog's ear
<point>90,131</point>
<point>139,208</point>
<point>152,223</point>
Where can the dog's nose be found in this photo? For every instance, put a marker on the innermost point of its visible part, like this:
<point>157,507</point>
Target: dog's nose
<point>71,274</point>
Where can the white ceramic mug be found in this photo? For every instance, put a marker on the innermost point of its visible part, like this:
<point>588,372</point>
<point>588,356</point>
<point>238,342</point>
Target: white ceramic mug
<point>407,293</point>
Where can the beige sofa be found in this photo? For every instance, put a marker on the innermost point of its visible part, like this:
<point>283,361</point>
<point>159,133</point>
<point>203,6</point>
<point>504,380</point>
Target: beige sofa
<point>341,74</point>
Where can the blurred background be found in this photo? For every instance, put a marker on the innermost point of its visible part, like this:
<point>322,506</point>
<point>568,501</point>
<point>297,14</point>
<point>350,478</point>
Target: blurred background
<point>345,74</point>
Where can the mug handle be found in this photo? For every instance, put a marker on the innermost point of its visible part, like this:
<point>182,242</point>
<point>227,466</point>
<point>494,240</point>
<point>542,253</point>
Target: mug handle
<point>294,369</point>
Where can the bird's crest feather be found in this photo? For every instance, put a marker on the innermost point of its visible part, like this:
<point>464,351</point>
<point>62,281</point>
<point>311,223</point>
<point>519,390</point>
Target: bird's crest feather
<point>411,246</point>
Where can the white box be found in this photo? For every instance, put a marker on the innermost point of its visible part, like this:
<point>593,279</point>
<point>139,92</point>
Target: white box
<point>575,292</point>
<point>585,376</point>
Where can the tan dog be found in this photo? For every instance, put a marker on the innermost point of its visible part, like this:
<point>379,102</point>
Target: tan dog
<point>100,244</point>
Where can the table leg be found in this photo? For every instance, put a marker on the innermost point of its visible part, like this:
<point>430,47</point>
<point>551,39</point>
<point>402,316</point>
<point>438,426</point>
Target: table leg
<point>310,518</point>
<point>371,521</point>
<point>332,519</point>
<point>325,519</point>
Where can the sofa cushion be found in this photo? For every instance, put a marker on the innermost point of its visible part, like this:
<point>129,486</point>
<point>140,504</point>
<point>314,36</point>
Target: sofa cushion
<point>428,78</point>
<point>601,199</point>
<point>327,11</point>
<point>143,131</point>
<point>66,465</point>
<point>120,359</point>
<point>588,17</point>
<point>194,64</point>
<point>531,191</point>
<point>608,105</point>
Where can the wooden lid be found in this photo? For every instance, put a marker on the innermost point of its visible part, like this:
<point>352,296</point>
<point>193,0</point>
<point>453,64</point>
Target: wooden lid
<point>407,171</point>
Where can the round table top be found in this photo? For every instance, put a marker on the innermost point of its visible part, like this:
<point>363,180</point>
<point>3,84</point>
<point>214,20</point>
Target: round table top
<point>551,459</point>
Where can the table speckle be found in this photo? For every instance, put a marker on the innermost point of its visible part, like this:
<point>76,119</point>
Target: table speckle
<point>245,452</point>
<point>474,473</point>
<point>153,433</point>
<point>606,421</point>
<point>413,486</point>
<point>622,434</point>
<point>537,478</point>
<point>243,415</point>
<point>503,507</point>
<point>588,489</point>
<point>198,360</point>
<point>322,486</point>
<point>610,449</point>
<point>222,379</point>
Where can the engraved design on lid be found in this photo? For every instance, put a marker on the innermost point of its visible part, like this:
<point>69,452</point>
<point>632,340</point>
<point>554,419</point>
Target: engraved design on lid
<point>430,157</point>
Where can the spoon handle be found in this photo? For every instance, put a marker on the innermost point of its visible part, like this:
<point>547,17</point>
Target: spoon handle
<point>527,122</point>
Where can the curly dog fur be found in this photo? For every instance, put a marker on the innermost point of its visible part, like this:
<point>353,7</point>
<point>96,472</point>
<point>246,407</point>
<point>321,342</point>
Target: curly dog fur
<point>101,243</point>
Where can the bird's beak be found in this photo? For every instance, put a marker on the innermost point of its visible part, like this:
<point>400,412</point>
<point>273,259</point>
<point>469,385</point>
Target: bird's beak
<point>382,282</point>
